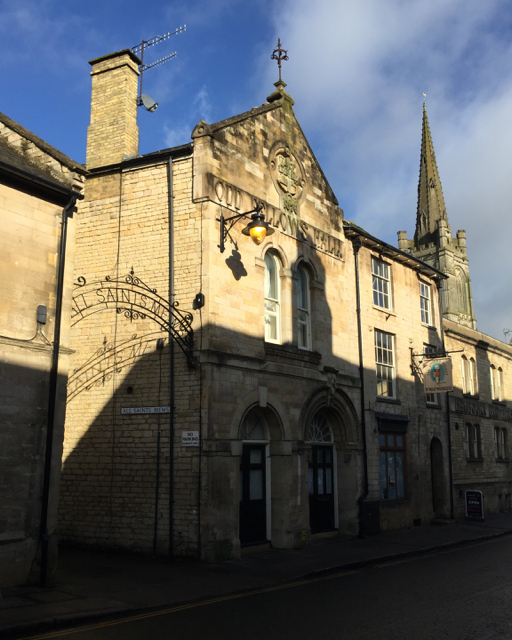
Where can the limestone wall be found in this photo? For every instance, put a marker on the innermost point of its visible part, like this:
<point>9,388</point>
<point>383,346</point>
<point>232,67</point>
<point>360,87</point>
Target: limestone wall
<point>116,466</point>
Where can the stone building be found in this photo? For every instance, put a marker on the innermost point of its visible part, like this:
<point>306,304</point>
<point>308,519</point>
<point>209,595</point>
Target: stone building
<point>480,414</point>
<point>38,189</point>
<point>288,401</point>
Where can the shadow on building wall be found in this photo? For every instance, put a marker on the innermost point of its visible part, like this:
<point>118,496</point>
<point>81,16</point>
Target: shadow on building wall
<point>293,405</point>
<point>23,429</point>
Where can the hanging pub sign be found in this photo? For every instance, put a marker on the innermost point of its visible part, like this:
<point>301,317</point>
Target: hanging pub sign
<point>437,375</point>
<point>475,505</point>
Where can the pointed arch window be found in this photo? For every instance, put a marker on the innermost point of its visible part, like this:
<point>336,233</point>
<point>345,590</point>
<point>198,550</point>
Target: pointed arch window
<point>496,383</point>
<point>469,376</point>
<point>303,309</point>
<point>462,293</point>
<point>272,299</point>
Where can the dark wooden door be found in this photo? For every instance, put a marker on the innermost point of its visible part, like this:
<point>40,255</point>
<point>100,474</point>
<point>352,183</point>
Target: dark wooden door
<point>253,507</point>
<point>321,489</point>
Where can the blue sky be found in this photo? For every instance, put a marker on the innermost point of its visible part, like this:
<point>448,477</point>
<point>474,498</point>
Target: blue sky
<point>357,72</point>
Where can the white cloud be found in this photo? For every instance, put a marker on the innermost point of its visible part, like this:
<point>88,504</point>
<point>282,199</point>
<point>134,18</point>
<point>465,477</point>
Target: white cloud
<point>357,72</point>
<point>180,133</point>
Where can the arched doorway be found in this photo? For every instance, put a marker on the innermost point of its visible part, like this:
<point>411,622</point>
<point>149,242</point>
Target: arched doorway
<point>321,473</point>
<point>438,478</point>
<point>254,520</point>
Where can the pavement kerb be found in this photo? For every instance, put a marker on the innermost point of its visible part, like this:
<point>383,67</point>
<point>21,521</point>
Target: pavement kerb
<point>70,621</point>
<point>361,564</point>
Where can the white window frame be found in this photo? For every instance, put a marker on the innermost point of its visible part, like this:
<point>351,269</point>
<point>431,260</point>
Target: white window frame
<point>425,304</point>
<point>303,310</point>
<point>473,445</point>
<point>381,284</point>
<point>499,378</point>
<point>500,443</point>
<point>474,376</point>
<point>468,374</point>
<point>385,364</point>
<point>496,383</point>
<point>272,302</point>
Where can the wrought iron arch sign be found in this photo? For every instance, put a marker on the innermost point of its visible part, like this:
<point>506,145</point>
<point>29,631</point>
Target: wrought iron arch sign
<point>134,299</point>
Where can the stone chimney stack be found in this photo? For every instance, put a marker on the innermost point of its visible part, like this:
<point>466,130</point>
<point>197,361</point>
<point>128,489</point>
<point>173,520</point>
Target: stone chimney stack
<point>113,134</point>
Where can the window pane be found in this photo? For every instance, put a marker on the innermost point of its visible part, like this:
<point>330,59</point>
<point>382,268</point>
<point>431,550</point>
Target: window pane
<point>255,456</point>
<point>380,284</point>
<point>303,336</point>
<point>391,441</point>
<point>383,476</point>
<point>399,457</point>
<point>328,480</point>
<point>391,475</point>
<point>320,480</point>
<point>310,480</point>
<point>382,439</point>
<point>270,277</point>
<point>399,441</point>
<point>302,289</point>
<point>328,456</point>
<point>256,484</point>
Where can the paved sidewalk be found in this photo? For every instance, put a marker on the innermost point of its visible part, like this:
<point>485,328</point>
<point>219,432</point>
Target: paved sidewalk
<point>95,584</point>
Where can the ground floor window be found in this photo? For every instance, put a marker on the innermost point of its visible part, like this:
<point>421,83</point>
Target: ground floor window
<point>473,443</point>
<point>392,465</point>
<point>500,443</point>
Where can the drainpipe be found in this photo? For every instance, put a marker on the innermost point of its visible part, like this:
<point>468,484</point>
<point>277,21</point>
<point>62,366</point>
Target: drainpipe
<point>52,393</point>
<point>357,244</point>
<point>450,462</point>
<point>171,360</point>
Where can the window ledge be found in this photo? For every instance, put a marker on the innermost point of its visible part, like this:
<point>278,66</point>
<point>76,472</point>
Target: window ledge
<point>473,396</point>
<point>291,352</point>
<point>384,310</point>
<point>502,460</point>
<point>500,402</point>
<point>474,459</point>
<point>388,400</point>
<point>433,406</point>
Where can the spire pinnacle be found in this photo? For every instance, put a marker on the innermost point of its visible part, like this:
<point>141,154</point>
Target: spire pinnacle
<point>431,207</point>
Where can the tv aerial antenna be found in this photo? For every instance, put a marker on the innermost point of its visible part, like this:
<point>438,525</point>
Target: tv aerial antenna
<point>143,99</point>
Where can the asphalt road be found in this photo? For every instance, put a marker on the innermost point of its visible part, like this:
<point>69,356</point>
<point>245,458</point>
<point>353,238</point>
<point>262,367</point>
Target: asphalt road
<point>462,594</point>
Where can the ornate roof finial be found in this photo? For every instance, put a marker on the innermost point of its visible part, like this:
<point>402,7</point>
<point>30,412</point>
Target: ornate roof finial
<point>281,55</point>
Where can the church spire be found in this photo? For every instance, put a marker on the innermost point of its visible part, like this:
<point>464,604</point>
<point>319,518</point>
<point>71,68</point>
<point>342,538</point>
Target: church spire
<point>433,241</point>
<point>431,207</point>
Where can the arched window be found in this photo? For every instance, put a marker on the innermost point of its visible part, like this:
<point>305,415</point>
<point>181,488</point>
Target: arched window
<point>254,426</point>
<point>303,309</point>
<point>462,295</point>
<point>496,383</point>
<point>474,377</point>
<point>272,306</point>
<point>469,376</point>
<point>320,429</point>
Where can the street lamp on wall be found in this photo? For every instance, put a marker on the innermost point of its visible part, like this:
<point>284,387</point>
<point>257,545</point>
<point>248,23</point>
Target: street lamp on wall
<point>258,228</point>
